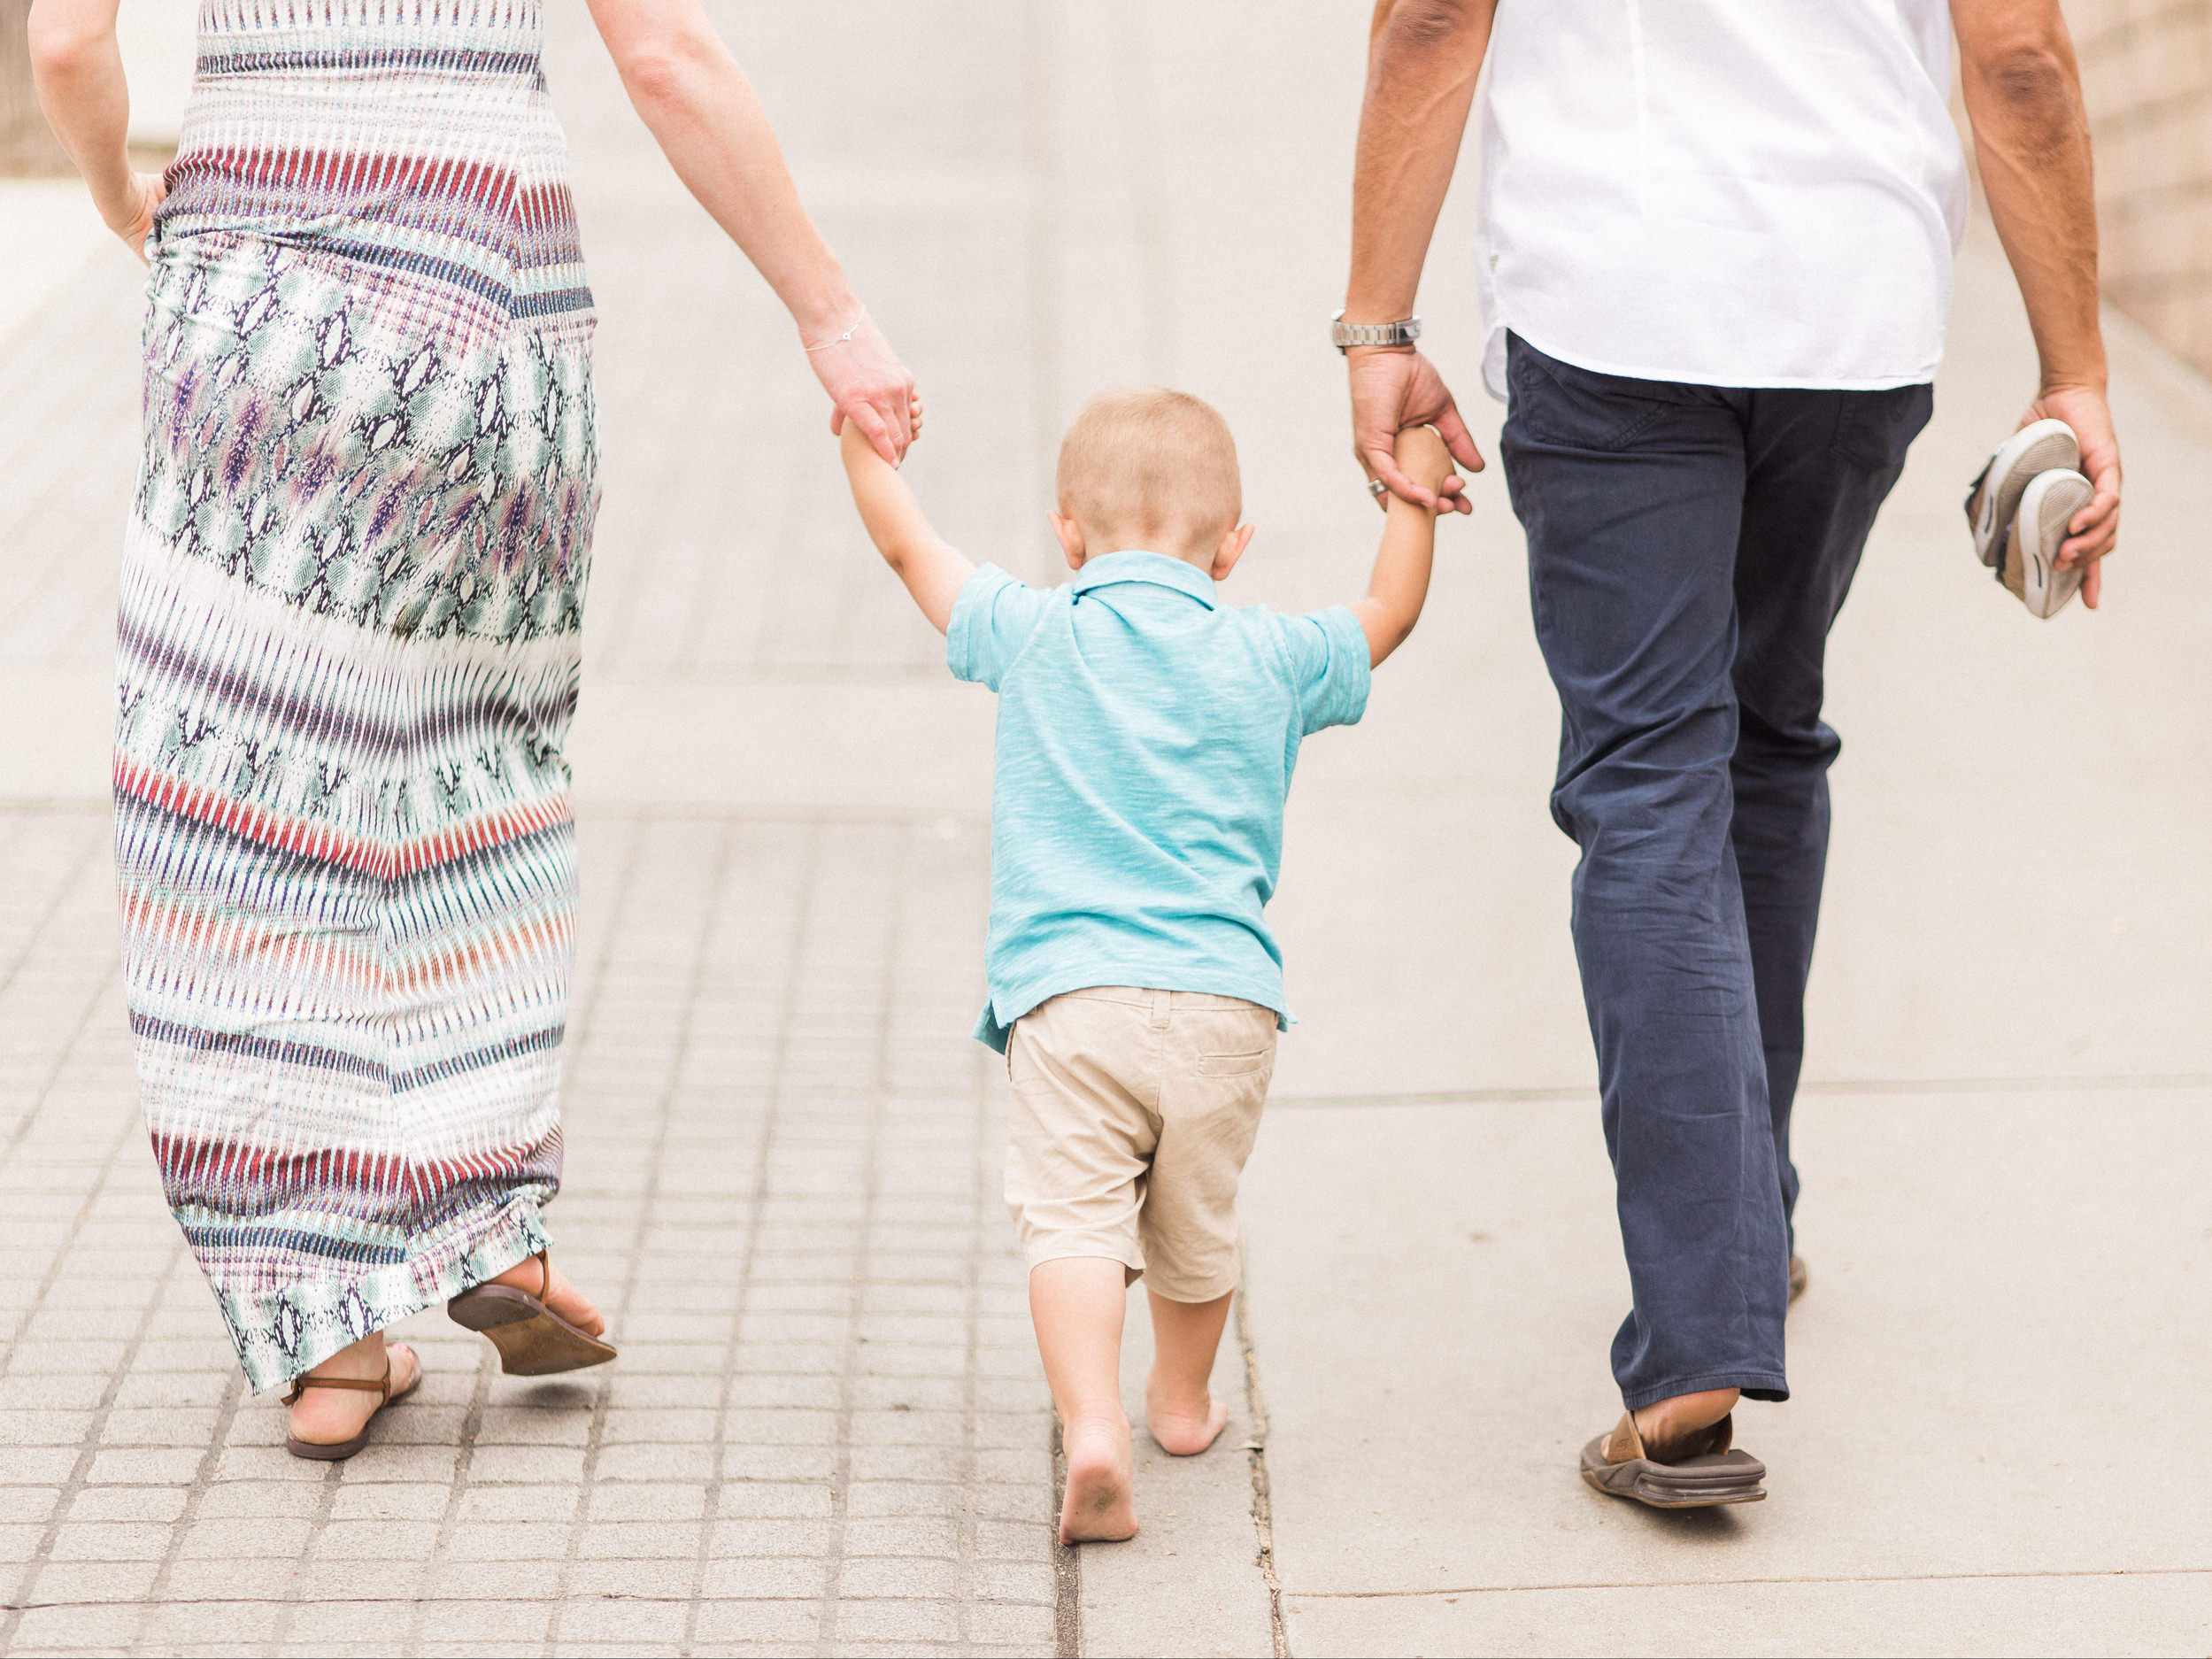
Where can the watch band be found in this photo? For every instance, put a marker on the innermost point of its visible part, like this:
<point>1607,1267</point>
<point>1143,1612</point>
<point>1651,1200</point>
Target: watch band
<point>1343,335</point>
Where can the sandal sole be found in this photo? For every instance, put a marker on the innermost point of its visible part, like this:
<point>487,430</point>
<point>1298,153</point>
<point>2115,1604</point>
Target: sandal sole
<point>532,1339</point>
<point>1698,1483</point>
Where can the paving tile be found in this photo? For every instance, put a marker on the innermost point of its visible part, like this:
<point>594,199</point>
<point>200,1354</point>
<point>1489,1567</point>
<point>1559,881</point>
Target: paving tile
<point>668,1581</point>
<point>539,1503</point>
<point>765,1622</point>
<point>664,1540</point>
<point>245,1499</point>
<point>127,1504</point>
<point>532,1465</point>
<point>880,1577</point>
<point>177,1627</point>
<point>906,1535</point>
<point>786,1537</point>
<point>389,1501</point>
<point>503,1624</point>
<point>111,1540</point>
<point>627,1621</point>
<point>901,1622</point>
<point>507,1540</point>
<point>768,1575</point>
<point>654,1501</point>
<point>380,1540</point>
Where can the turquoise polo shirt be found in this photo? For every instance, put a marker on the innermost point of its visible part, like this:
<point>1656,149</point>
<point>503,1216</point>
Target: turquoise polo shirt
<point>1146,737</point>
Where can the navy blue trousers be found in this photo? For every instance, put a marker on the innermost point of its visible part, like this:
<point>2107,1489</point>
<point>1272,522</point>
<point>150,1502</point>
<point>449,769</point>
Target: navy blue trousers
<point>1688,548</point>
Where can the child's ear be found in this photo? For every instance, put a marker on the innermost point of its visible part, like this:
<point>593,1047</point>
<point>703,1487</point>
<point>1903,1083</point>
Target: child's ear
<point>1070,534</point>
<point>1231,550</point>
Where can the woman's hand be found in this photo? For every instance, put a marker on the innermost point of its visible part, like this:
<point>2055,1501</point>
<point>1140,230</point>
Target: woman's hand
<point>869,387</point>
<point>132,217</point>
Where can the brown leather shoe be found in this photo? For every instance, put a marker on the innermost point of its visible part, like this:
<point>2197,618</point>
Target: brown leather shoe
<point>1695,1472</point>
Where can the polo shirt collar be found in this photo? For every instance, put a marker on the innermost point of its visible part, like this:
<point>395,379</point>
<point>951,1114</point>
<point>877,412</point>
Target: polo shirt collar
<point>1134,565</point>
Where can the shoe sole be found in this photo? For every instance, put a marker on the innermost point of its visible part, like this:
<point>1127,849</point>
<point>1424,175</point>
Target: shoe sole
<point>2030,572</point>
<point>532,1339</point>
<point>1695,1483</point>
<point>2039,447</point>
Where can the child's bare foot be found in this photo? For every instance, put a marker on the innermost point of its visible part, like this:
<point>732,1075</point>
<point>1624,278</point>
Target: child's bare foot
<point>1183,1427</point>
<point>1101,1505</point>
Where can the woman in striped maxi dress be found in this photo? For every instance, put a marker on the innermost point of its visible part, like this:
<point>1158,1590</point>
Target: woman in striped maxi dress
<point>347,655</point>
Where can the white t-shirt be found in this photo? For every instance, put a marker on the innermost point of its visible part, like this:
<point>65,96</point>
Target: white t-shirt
<point>1727,192</point>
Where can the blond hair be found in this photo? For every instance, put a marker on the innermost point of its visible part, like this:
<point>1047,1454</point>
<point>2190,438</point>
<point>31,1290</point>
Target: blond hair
<point>1151,464</point>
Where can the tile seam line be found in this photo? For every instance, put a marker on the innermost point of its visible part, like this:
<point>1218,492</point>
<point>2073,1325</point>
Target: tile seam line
<point>645,1208</point>
<point>1725,1583</point>
<point>760,1196</point>
<point>855,1366</point>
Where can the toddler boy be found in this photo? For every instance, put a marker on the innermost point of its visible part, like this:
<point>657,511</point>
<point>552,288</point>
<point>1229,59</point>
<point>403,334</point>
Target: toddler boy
<point>1146,740</point>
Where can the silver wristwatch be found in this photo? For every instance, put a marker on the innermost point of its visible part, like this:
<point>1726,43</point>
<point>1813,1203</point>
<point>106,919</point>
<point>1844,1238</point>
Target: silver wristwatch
<point>1342,334</point>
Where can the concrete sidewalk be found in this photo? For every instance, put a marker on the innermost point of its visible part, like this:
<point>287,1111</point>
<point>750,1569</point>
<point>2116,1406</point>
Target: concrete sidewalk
<point>828,1432</point>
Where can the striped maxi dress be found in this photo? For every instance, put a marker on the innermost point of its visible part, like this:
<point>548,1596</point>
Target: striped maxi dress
<point>347,660</point>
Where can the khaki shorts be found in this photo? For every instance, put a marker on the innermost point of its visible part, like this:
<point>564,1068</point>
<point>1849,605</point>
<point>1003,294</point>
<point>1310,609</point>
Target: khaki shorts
<point>1132,1116</point>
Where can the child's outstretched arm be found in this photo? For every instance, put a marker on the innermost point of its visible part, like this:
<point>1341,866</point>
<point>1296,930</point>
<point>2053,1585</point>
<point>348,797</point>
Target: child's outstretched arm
<point>1399,585</point>
<point>933,571</point>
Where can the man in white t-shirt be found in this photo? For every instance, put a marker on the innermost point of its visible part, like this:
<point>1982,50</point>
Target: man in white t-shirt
<point>1715,258</point>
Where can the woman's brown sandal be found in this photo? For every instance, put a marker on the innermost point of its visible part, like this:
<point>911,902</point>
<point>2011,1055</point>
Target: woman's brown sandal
<point>533,1340</point>
<point>338,1451</point>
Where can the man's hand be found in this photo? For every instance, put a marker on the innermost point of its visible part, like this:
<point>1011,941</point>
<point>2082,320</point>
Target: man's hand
<point>869,387</point>
<point>1393,389</point>
<point>2095,530</point>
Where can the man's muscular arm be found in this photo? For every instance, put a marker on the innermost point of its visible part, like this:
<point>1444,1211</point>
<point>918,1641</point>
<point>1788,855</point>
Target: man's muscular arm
<point>1423,58</point>
<point>2031,139</point>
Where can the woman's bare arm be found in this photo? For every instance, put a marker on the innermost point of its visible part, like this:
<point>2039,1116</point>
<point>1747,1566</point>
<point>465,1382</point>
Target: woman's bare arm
<point>710,125</point>
<point>80,75</point>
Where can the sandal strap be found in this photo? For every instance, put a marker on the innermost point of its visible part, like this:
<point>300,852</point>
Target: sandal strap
<point>303,1382</point>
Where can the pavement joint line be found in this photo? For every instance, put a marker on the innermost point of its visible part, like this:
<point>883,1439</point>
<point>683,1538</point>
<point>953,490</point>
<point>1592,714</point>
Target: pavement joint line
<point>455,1495</point>
<point>1066,1564</point>
<point>202,1478</point>
<point>757,1208</point>
<point>332,1476</point>
<point>1262,1483</point>
<point>1731,1584</point>
<point>759,1200</point>
<point>645,1207</point>
<point>856,1295</point>
<point>971,1309</point>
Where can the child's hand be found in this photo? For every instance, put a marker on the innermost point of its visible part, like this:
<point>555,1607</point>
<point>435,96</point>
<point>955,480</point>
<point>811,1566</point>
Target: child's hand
<point>857,450</point>
<point>854,443</point>
<point>933,572</point>
<point>1423,457</point>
